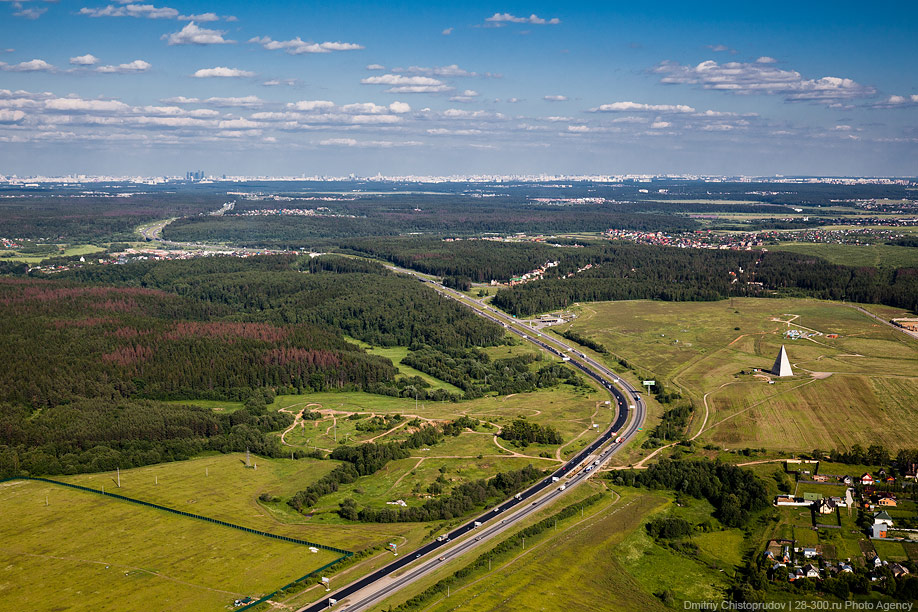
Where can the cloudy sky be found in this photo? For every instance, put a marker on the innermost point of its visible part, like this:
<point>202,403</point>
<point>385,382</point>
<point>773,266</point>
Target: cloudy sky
<point>401,87</point>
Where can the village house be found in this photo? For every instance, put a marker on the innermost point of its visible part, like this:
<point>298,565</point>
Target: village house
<point>881,524</point>
<point>867,479</point>
<point>810,571</point>
<point>898,570</point>
<point>889,502</point>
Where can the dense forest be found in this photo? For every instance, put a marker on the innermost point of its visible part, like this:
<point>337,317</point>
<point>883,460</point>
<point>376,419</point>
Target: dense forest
<point>476,373</point>
<point>94,218</point>
<point>734,492</point>
<point>444,216</point>
<point>525,432</point>
<point>92,435</point>
<point>628,272</point>
<point>90,356</point>
<point>361,299</point>
<point>63,341</point>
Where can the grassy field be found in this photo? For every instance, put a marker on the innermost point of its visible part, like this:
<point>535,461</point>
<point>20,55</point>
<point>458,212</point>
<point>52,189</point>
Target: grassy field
<point>126,557</point>
<point>63,251</point>
<point>868,375</point>
<point>221,487</point>
<point>607,549</point>
<point>874,255</point>
<point>555,566</point>
<point>395,354</point>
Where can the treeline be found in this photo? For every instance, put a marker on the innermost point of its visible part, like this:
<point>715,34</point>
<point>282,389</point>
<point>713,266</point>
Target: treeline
<point>460,501</point>
<point>476,373</point>
<point>475,260</point>
<point>446,216</point>
<point>734,492</point>
<point>584,341</point>
<point>875,454</point>
<point>671,427</point>
<point>75,218</point>
<point>93,435</point>
<point>627,272</point>
<point>526,432</point>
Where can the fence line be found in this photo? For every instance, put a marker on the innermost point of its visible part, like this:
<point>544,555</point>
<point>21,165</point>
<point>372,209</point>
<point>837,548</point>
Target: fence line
<point>344,553</point>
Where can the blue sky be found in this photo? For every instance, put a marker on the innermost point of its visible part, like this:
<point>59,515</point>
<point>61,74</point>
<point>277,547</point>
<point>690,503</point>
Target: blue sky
<point>281,88</point>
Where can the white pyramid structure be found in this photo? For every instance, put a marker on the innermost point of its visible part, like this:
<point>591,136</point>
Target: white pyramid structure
<point>782,365</point>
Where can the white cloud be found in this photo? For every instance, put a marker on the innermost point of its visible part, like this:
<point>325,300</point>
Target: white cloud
<point>311,105</point>
<point>895,101</point>
<point>28,12</point>
<point>555,98</point>
<point>242,102</point>
<point>90,106</point>
<point>364,108</point>
<point>131,67</point>
<point>578,129</point>
<point>458,113</point>
<point>147,11</point>
<point>447,31</point>
<point>222,71</point>
<point>512,100</point>
<point>202,17</point>
<point>180,100</point>
<point>448,132</point>
<point>452,70</point>
<point>35,65</point>
<point>501,18</point>
<point>84,60</point>
<point>640,107</point>
<point>766,60</point>
<point>298,46</point>
<point>372,144</point>
<point>11,116</point>
<point>400,107</point>
<point>192,34</point>
<point>375,67</point>
<point>235,124</point>
<point>276,82</point>
<point>407,84</point>
<point>658,125</point>
<point>720,48</point>
<point>749,78</point>
<point>469,95</point>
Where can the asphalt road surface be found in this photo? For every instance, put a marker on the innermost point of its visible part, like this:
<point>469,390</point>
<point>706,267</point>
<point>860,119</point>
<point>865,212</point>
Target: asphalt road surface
<point>380,584</point>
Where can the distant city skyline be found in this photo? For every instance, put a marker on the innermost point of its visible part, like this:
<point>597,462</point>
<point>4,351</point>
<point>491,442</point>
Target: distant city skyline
<point>287,89</point>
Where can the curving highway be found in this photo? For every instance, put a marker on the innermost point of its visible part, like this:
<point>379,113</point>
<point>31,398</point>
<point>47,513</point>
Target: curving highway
<point>380,584</point>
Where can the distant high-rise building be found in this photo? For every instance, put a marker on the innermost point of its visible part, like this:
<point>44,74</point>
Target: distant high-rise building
<point>194,175</point>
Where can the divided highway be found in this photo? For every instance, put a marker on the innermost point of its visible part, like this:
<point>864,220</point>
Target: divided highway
<point>377,586</point>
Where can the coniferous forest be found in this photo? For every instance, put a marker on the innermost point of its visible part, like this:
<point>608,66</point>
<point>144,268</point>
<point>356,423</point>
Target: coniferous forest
<point>91,356</point>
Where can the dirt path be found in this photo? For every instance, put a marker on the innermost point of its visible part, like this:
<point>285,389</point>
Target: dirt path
<point>761,461</point>
<point>402,477</point>
<point>767,399</point>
